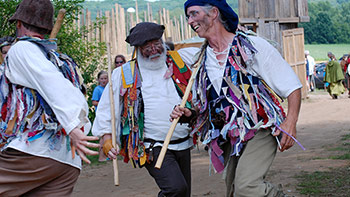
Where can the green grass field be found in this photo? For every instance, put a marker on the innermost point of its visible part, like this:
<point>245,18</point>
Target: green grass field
<point>319,51</point>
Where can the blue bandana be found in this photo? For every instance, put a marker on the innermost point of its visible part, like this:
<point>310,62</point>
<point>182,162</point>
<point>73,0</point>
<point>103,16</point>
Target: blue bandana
<point>226,11</point>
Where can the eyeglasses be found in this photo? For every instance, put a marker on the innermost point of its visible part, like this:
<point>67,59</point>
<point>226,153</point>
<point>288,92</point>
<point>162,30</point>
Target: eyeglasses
<point>149,46</point>
<point>192,14</point>
<point>119,62</point>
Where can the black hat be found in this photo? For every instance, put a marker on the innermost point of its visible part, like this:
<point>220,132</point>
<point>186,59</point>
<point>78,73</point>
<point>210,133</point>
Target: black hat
<point>144,32</point>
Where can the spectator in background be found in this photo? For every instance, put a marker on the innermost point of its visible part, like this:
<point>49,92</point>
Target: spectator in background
<point>334,77</point>
<point>5,44</point>
<point>310,61</point>
<point>119,60</point>
<point>102,78</point>
<point>345,66</point>
<point>170,45</point>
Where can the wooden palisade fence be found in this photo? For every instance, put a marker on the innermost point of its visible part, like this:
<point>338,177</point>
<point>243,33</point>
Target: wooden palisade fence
<point>119,22</point>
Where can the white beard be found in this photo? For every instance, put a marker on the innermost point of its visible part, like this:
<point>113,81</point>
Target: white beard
<point>148,63</point>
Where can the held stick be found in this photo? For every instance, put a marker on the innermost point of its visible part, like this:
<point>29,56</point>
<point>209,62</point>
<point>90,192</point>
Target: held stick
<point>111,99</point>
<point>56,28</point>
<point>173,125</point>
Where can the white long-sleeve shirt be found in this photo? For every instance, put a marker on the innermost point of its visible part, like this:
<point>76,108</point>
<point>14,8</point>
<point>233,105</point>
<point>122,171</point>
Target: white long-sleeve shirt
<point>268,65</point>
<point>28,66</point>
<point>159,97</point>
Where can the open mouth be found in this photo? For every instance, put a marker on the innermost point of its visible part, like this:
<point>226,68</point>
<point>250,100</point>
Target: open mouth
<point>195,28</point>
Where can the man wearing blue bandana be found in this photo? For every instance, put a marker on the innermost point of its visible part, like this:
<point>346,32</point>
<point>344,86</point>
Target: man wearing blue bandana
<point>238,91</point>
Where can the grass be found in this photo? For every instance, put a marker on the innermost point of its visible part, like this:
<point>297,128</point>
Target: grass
<point>335,182</point>
<point>319,51</point>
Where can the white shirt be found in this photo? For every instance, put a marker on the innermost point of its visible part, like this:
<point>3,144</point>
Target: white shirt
<point>28,66</point>
<point>159,97</point>
<point>268,65</point>
<point>312,64</point>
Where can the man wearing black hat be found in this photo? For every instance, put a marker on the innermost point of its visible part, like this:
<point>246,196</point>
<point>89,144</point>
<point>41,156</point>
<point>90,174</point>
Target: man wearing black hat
<point>146,90</point>
<point>43,114</point>
<point>238,89</point>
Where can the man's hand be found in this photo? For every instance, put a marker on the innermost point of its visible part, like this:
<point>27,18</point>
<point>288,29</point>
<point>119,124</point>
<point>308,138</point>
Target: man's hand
<point>108,148</point>
<point>80,142</point>
<point>178,112</point>
<point>286,141</point>
<point>289,124</point>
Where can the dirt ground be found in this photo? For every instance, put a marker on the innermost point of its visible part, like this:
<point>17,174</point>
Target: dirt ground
<point>321,123</point>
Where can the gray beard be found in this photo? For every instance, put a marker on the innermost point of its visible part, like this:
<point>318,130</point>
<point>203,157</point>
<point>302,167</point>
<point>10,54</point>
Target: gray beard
<point>150,64</point>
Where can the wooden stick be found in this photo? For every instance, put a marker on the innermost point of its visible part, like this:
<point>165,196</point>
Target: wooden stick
<point>183,102</point>
<point>56,28</point>
<point>111,99</point>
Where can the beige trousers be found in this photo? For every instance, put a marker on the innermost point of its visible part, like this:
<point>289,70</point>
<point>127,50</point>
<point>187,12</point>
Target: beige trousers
<point>23,174</point>
<point>245,174</point>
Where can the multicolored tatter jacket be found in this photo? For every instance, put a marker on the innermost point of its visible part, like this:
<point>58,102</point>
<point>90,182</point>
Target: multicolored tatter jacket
<point>24,109</point>
<point>132,114</point>
<point>245,103</point>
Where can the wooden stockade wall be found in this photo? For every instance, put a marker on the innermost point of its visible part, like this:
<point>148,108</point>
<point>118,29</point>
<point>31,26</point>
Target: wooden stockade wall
<point>269,18</point>
<point>277,20</point>
<point>119,22</point>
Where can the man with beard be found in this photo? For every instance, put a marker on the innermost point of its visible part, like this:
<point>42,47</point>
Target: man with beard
<point>238,89</point>
<point>43,111</point>
<point>146,89</point>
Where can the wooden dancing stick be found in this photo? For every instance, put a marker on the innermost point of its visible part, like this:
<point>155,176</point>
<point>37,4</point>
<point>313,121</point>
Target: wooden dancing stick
<point>111,99</point>
<point>174,123</point>
<point>56,28</point>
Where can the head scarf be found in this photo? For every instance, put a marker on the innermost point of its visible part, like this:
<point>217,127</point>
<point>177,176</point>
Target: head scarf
<point>226,11</point>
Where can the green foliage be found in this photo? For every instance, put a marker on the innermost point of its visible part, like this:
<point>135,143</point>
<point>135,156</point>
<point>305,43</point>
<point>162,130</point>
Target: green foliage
<point>7,8</point>
<point>88,55</point>
<point>329,22</point>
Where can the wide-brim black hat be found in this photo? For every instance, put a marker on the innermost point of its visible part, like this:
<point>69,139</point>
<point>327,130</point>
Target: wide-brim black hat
<point>144,32</point>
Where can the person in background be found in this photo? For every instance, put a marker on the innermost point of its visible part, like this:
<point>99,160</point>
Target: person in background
<point>102,78</point>
<point>347,73</point>
<point>345,66</point>
<point>310,61</point>
<point>119,60</point>
<point>334,76</point>
<point>5,44</point>
<point>170,45</point>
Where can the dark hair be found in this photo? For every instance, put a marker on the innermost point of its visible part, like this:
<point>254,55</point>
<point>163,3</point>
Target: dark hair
<point>101,73</point>
<point>170,45</point>
<point>120,56</point>
<point>6,41</point>
<point>36,29</point>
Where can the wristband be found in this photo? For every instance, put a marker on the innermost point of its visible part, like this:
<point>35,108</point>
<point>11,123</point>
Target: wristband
<point>107,146</point>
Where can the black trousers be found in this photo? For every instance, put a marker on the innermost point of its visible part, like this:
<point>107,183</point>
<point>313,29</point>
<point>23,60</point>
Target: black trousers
<point>174,177</point>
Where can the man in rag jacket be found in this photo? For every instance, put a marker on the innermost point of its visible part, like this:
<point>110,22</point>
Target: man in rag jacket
<point>43,114</point>
<point>237,94</point>
<point>146,89</point>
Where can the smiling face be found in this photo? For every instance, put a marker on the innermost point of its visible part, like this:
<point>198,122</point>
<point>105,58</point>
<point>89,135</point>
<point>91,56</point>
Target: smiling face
<point>103,79</point>
<point>199,20</point>
<point>152,49</point>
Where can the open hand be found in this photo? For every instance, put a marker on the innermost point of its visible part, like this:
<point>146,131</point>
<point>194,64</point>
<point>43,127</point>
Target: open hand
<point>80,141</point>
